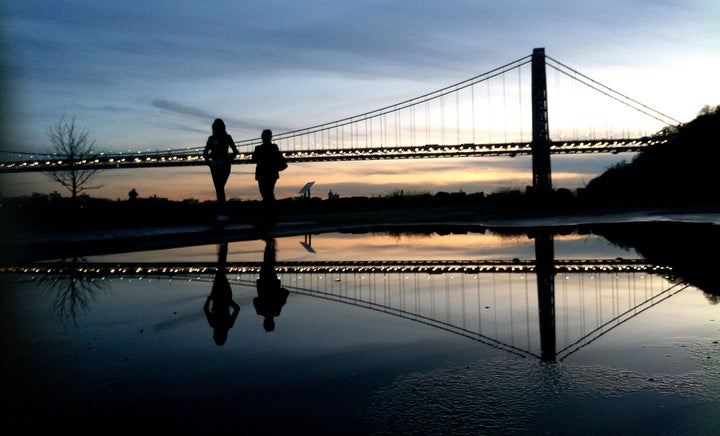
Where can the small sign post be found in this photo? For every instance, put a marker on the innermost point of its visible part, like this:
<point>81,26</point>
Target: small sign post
<point>305,191</point>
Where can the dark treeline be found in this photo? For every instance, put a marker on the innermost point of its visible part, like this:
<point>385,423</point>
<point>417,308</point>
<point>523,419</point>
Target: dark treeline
<point>678,171</point>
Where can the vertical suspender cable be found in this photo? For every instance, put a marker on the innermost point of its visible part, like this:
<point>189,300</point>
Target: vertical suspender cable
<point>520,112</point>
<point>427,122</point>
<point>442,120</point>
<point>457,115</point>
<point>472,110</point>
<point>504,108</point>
<point>487,101</point>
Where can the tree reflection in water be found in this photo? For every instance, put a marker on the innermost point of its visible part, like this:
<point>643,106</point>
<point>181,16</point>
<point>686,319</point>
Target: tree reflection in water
<point>677,244</point>
<point>72,288</point>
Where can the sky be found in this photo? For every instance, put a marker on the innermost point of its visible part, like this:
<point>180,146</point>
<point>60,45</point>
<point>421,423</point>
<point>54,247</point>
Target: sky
<point>153,75</point>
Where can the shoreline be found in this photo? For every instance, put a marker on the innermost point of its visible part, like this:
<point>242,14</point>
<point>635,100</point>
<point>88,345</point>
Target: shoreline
<point>35,244</point>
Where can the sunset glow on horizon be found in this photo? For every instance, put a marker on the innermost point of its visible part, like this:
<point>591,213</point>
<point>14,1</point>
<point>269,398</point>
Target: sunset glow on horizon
<point>359,178</point>
<point>153,78</point>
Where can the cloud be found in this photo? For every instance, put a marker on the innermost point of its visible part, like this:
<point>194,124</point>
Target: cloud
<point>181,109</point>
<point>205,116</point>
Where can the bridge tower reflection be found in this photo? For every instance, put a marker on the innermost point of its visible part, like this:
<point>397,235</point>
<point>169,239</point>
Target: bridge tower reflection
<point>545,271</point>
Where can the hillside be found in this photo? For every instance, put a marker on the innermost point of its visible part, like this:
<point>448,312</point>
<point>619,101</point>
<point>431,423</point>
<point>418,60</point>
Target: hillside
<point>679,171</point>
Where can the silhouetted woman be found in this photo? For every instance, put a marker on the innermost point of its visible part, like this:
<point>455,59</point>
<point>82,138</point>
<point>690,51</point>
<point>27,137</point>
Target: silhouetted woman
<point>268,158</point>
<point>219,159</point>
<point>220,309</point>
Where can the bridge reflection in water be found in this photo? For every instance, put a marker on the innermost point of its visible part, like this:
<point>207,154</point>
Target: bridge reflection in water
<point>542,308</point>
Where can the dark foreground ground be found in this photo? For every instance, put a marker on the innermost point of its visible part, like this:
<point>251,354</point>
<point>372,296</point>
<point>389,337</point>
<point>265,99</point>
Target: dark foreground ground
<point>20,215</point>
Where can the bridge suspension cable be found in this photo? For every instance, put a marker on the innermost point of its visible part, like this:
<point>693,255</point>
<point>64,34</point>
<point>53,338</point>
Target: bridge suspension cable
<point>396,131</point>
<point>396,107</point>
<point>615,95</point>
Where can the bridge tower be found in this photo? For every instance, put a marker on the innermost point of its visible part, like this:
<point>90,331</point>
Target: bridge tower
<point>542,180</point>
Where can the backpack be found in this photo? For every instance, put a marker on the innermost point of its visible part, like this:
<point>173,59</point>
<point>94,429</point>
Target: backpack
<point>280,162</point>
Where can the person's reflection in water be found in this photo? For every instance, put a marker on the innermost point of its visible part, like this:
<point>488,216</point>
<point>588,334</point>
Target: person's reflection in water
<point>271,297</point>
<point>222,312</point>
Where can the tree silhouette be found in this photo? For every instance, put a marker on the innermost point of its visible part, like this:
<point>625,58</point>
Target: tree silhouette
<point>72,145</point>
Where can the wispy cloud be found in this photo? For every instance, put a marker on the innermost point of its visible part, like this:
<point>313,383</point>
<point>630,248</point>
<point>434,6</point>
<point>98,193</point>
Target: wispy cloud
<point>206,116</point>
<point>182,109</point>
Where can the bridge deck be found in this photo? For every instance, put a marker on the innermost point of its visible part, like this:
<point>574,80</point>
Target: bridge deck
<point>194,157</point>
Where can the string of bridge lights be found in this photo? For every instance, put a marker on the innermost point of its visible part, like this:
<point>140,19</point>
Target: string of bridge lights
<point>143,159</point>
<point>339,267</point>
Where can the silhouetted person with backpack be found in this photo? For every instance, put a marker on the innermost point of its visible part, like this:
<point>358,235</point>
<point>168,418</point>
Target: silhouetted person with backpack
<point>270,162</point>
<point>219,159</point>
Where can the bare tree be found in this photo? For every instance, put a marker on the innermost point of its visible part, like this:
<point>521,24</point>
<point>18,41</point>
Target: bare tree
<point>72,145</point>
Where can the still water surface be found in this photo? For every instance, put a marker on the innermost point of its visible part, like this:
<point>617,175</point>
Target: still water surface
<point>469,334</point>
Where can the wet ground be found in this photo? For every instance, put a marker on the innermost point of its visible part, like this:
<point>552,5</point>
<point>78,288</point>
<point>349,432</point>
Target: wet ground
<point>631,350</point>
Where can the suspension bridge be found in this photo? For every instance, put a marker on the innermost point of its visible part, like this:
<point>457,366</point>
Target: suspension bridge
<point>503,112</point>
